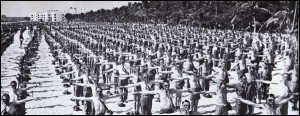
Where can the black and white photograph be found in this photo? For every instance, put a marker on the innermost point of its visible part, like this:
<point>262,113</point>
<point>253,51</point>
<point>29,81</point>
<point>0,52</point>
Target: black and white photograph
<point>149,57</point>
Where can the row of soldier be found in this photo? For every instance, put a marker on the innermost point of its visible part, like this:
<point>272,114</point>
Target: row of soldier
<point>269,57</point>
<point>14,101</point>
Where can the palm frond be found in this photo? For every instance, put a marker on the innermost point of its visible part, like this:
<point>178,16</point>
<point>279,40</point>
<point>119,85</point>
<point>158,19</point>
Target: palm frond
<point>233,19</point>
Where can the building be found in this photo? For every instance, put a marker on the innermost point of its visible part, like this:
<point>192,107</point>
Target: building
<point>12,19</point>
<point>54,15</point>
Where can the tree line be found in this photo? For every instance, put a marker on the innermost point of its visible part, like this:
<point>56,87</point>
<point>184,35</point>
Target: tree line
<point>258,16</point>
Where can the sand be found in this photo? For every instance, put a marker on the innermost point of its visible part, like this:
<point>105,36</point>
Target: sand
<point>54,102</point>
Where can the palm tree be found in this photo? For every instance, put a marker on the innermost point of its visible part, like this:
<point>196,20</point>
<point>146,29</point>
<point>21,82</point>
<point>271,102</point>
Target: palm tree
<point>248,10</point>
<point>146,8</point>
<point>282,18</point>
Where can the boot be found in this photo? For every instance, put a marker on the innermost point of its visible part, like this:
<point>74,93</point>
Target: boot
<point>76,108</point>
<point>67,92</point>
<point>121,104</point>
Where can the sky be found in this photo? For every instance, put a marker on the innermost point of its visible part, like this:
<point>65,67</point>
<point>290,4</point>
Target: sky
<point>24,8</point>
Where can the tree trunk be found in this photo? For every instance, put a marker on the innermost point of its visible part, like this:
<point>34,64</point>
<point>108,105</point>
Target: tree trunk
<point>254,24</point>
<point>293,25</point>
<point>216,8</point>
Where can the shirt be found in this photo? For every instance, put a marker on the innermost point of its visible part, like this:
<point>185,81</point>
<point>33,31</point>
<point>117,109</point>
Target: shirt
<point>166,100</point>
<point>10,108</point>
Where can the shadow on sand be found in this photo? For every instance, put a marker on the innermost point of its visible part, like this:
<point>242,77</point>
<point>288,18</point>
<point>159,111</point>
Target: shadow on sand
<point>51,106</point>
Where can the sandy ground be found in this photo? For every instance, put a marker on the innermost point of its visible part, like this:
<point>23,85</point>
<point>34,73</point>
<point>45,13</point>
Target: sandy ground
<point>10,59</point>
<point>53,102</point>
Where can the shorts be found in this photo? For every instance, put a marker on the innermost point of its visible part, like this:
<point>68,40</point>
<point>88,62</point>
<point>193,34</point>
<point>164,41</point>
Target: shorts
<point>78,91</point>
<point>254,61</point>
<point>146,104</point>
<point>204,84</point>
<point>294,87</point>
<point>180,84</point>
<point>240,108</point>
<point>162,111</point>
<point>221,110</point>
<point>196,96</point>
<point>251,91</point>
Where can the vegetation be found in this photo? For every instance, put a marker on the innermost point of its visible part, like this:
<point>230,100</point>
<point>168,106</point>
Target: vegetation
<point>278,16</point>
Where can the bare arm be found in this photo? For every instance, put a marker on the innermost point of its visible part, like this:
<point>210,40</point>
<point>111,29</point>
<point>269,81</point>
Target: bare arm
<point>157,81</point>
<point>24,100</point>
<point>75,79</point>
<point>153,67</point>
<point>106,84</point>
<point>166,72</point>
<point>209,76</point>
<point>25,82</point>
<point>147,92</point>
<point>83,98</point>
<point>131,85</point>
<point>248,102</point>
<point>100,63</point>
<point>288,99</point>
<point>233,51</point>
<point>107,63</point>
<point>114,96</point>
<point>266,82</point>
<point>67,73</point>
<point>179,61</point>
<point>81,84</point>
<point>27,88</point>
<point>231,85</point>
<point>204,92</point>
<point>110,70</point>
<point>188,72</point>
<point>260,55</point>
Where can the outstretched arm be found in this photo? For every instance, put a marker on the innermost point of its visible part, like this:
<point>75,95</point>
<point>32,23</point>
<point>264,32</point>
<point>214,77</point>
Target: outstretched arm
<point>233,51</point>
<point>155,67</point>
<point>179,79</point>
<point>27,88</point>
<point>204,92</point>
<point>209,76</point>
<point>266,82</point>
<point>179,61</point>
<point>131,85</point>
<point>114,96</point>
<point>101,62</point>
<point>110,70</point>
<point>125,76</point>
<point>248,102</point>
<point>78,78</point>
<point>188,72</point>
<point>84,85</point>
<point>156,81</point>
<point>288,99</point>
<point>147,92</point>
<point>231,85</point>
<point>166,72</point>
<point>26,100</point>
<point>83,98</point>
<point>105,84</point>
<point>25,82</point>
<point>67,73</point>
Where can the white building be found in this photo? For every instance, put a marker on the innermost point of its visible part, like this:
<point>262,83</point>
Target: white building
<point>54,15</point>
